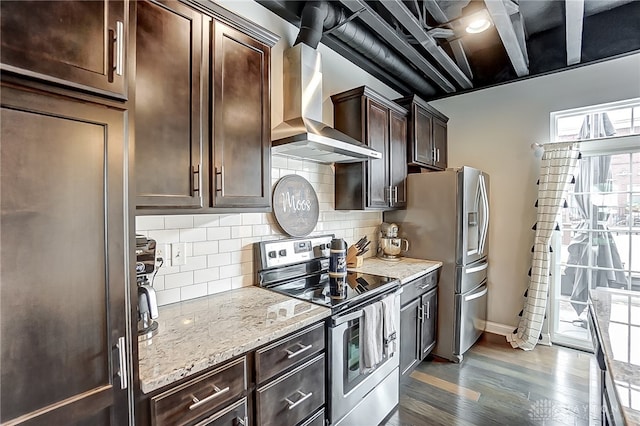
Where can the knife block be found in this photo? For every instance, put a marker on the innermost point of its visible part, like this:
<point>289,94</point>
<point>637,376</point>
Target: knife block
<point>353,260</point>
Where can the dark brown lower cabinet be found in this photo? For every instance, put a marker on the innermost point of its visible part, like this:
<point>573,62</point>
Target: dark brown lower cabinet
<point>63,276</point>
<point>419,307</point>
<point>282,383</point>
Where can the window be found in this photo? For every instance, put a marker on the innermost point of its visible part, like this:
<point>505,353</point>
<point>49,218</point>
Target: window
<point>599,240</point>
<point>596,122</point>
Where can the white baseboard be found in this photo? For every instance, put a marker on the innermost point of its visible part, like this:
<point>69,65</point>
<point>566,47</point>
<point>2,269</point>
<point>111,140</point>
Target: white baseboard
<point>497,328</point>
<point>504,330</point>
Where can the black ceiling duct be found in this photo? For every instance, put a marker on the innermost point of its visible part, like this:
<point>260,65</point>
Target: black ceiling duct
<point>318,16</point>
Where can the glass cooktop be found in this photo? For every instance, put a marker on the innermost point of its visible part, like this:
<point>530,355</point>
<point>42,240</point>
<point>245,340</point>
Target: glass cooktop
<point>335,293</point>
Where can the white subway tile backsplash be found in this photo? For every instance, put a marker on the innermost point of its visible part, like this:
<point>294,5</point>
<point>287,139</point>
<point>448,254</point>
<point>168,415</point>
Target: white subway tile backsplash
<point>178,280</point>
<point>219,247</point>
<point>219,286</point>
<point>193,235</point>
<point>252,218</point>
<point>165,236</point>
<point>166,297</point>
<point>206,275</point>
<point>231,220</point>
<point>278,161</point>
<point>194,263</point>
<point>220,259</point>
<point>241,231</point>
<point>205,247</point>
<point>177,222</point>
<point>193,291</point>
<point>261,230</point>
<point>221,233</point>
<point>229,245</point>
<point>229,271</point>
<point>146,223</point>
<point>206,220</point>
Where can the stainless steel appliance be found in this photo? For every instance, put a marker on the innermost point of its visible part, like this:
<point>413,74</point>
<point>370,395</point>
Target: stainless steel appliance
<point>298,268</point>
<point>302,134</point>
<point>145,271</point>
<point>389,245</point>
<point>447,218</point>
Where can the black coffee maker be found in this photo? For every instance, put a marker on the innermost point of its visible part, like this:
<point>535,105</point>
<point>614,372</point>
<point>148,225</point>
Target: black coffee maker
<point>145,271</point>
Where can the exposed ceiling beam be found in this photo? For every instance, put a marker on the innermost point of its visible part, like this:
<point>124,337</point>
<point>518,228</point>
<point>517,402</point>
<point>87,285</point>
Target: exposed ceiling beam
<point>574,11</point>
<point>461,58</point>
<point>387,33</point>
<point>505,26</point>
<point>409,21</point>
<point>459,55</point>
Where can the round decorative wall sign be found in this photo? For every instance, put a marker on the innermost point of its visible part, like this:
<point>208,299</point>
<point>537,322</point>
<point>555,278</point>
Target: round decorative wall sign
<point>295,205</point>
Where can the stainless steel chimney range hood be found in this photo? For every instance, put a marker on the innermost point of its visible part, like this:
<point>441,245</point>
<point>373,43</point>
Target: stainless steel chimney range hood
<point>302,134</point>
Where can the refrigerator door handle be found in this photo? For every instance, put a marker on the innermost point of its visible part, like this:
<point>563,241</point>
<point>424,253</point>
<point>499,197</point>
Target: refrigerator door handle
<point>485,216</point>
<point>476,295</point>
<point>477,268</point>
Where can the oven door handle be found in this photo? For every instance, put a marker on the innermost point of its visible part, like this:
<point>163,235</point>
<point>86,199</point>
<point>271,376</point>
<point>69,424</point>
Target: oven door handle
<point>347,318</point>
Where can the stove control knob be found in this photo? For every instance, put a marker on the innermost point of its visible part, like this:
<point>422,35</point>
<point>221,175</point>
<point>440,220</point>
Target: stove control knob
<point>272,254</point>
<point>282,252</point>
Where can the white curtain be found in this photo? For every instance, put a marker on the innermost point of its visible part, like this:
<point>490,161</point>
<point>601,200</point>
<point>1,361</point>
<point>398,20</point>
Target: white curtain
<point>558,163</point>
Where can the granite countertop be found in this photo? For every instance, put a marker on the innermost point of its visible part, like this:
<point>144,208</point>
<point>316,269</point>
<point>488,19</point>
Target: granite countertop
<point>405,269</point>
<point>617,318</point>
<point>200,333</point>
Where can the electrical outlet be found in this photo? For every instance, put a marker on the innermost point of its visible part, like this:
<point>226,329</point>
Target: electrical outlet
<point>163,251</point>
<point>178,254</point>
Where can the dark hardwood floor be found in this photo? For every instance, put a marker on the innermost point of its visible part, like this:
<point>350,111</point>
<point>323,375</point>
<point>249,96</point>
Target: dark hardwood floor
<point>498,385</point>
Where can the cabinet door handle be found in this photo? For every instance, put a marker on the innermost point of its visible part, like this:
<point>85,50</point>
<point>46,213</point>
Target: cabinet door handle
<point>303,397</point>
<point>119,40</point>
<point>122,370</point>
<point>428,310</point>
<point>421,313</point>
<point>220,173</point>
<point>438,155</point>
<point>216,393</point>
<point>395,194</point>
<point>302,349</point>
<point>195,176</point>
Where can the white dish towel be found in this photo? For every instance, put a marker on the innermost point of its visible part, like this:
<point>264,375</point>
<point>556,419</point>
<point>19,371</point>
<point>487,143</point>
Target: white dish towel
<point>389,332</point>
<point>372,336</point>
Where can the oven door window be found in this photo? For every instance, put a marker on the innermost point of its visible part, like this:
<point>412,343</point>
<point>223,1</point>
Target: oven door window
<point>353,356</point>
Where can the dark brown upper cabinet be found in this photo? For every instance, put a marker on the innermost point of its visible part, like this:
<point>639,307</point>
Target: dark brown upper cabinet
<point>203,140</point>
<point>427,142</point>
<point>241,145</point>
<point>63,306</point>
<point>81,44</point>
<point>377,184</point>
<point>170,104</point>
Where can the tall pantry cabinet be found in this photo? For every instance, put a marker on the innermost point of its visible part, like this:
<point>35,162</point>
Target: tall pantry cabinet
<point>65,311</point>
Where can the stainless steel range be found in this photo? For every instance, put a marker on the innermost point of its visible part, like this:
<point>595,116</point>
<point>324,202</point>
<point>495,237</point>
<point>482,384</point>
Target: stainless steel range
<point>298,267</point>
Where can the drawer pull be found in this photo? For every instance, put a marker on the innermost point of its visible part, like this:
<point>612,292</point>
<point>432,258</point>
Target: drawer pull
<point>422,287</point>
<point>298,352</point>
<point>216,393</point>
<point>303,397</point>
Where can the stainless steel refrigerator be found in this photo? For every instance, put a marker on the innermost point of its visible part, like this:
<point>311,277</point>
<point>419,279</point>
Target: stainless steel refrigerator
<point>447,219</point>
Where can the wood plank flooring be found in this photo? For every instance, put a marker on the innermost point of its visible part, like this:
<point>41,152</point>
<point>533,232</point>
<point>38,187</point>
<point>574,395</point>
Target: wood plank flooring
<point>498,385</point>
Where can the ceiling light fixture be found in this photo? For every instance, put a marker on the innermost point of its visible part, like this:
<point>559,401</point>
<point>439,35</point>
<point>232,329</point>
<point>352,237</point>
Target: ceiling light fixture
<point>478,25</point>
